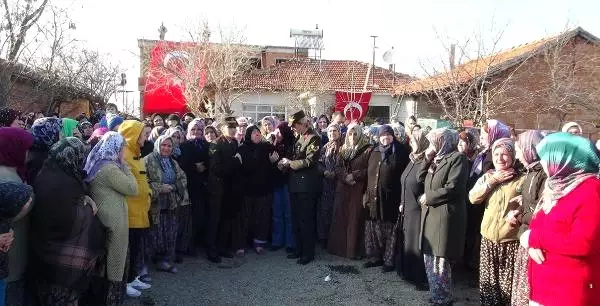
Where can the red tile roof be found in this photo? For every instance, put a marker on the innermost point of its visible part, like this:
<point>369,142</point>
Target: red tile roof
<point>488,66</point>
<point>323,75</point>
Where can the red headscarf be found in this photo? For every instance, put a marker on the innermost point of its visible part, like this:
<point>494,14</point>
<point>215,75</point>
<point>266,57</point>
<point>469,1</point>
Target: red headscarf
<point>14,143</point>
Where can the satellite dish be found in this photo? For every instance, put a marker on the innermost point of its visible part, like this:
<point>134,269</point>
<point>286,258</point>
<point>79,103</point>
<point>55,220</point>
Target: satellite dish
<point>388,56</point>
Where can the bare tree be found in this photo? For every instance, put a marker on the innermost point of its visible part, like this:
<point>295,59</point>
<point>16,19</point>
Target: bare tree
<point>207,71</point>
<point>18,18</point>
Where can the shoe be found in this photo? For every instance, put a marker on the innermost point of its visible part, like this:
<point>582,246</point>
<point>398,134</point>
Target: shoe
<point>386,269</point>
<point>240,253</point>
<point>422,287</point>
<point>304,261</point>
<point>178,259</point>
<point>293,256</point>
<point>132,292</point>
<point>290,250</point>
<point>259,250</point>
<point>370,264</point>
<point>137,284</point>
<point>275,248</point>
<point>213,258</point>
<point>145,278</point>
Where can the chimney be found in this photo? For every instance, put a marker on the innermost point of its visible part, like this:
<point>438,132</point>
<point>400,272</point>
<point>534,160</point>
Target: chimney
<point>452,55</point>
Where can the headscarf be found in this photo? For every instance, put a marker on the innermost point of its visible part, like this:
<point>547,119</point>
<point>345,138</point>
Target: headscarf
<point>113,121</point>
<point>68,125</point>
<point>46,132</point>
<point>14,143</point>
<point>13,196</point>
<point>508,144</point>
<point>471,142</point>
<point>349,151</point>
<point>208,129</point>
<point>199,123</point>
<point>172,131</point>
<point>83,125</point>
<point>271,120</point>
<point>568,160</point>
<point>527,142</point>
<point>372,131</point>
<point>248,136</point>
<point>569,125</point>
<point>69,155</point>
<point>420,143</point>
<point>7,116</point>
<point>156,132</point>
<point>159,141</point>
<point>107,150</point>
<point>399,132</point>
<point>444,142</point>
<point>496,129</point>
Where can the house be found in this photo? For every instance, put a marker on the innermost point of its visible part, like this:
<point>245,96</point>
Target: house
<point>30,91</point>
<point>311,84</point>
<point>538,85</point>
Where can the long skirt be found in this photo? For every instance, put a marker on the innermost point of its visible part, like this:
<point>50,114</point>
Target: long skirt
<point>496,271</point>
<point>164,235</point>
<point>380,241</point>
<point>185,230</point>
<point>48,294</point>
<point>439,276</point>
<point>520,287</point>
<point>325,209</point>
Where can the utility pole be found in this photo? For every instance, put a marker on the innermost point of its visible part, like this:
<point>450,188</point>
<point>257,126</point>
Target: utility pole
<point>373,62</point>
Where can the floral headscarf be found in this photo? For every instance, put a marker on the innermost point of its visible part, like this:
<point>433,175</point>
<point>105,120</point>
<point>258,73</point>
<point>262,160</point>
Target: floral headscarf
<point>14,143</point>
<point>13,196</point>
<point>7,116</point>
<point>444,141</point>
<point>419,142</point>
<point>508,144</point>
<point>46,132</point>
<point>160,140</point>
<point>107,150</point>
<point>68,125</point>
<point>69,155</point>
<point>272,121</point>
<point>156,132</point>
<point>496,129</point>
<point>568,160</point>
<point>199,123</point>
<point>527,142</point>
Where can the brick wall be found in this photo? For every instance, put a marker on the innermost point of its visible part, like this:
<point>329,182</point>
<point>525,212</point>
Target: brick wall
<point>25,97</point>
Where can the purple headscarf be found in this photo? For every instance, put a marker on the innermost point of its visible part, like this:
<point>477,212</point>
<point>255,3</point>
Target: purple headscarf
<point>107,150</point>
<point>496,129</point>
<point>199,123</point>
<point>527,142</point>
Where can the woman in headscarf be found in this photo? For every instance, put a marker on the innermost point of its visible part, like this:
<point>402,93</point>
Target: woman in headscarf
<point>564,233</point>
<point>69,128</point>
<point>467,144</point>
<point>46,132</point>
<point>282,234</point>
<point>327,163</point>
<point>96,135</point>
<point>169,192</point>
<point>348,220</point>
<point>67,238</point>
<point>113,121</point>
<point>499,242</point>
<point>111,182</point>
<point>86,129</point>
<point>194,162</point>
<point>258,158</point>
<point>572,128</point>
<point>323,128</point>
<point>444,173</point>
<point>155,133</point>
<point>10,118</point>
<point>177,136</point>
<point>267,125</point>
<point>14,143</point>
<point>157,120</point>
<point>15,203</point>
<point>411,267</point>
<point>533,186</point>
<point>210,134</point>
<point>382,198</point>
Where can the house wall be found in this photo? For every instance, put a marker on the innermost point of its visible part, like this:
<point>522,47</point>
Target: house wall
<point>413,106</point>
<point>25,97</point>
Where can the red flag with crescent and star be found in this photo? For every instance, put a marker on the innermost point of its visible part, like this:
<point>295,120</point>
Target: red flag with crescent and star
<point>354,105</point>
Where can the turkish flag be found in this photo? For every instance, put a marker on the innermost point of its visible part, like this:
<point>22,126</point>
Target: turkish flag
<point>354,105</point>
<point>168,64</point>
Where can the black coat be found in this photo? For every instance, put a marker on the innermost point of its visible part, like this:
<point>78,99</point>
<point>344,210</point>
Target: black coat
<point>224,171</point>
<point>383,194</point>
<point>35,161</point>
<point>412,267</point>
<point>443,219</point>
<point>307,177</point>
<point>256,168</point>
<point>533,186</point>
<point>191,154</point>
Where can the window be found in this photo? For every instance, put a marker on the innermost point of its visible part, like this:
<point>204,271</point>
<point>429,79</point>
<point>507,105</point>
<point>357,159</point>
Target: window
<point>256,63</point>
<point>258,111</point>
<point>281,60</point>
<point>375,112</point>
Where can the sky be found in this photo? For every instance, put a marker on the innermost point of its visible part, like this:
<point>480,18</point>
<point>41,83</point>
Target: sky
<point>418,30</point>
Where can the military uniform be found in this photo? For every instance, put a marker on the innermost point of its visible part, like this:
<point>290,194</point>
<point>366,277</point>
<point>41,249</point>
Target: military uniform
<point>305,187</point>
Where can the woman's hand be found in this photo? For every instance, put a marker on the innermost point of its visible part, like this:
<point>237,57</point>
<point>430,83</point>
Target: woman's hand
<point>87,200</point>
<point>501,176</point>
<point>200,167</point>
<point>422,200</point>
<point>166,188</point>
<point>511,218</point>
<point>274,157</point>
<point>430,153</point>
<point>537,255</point>
<point>6,240</point>
<point>350,179</point>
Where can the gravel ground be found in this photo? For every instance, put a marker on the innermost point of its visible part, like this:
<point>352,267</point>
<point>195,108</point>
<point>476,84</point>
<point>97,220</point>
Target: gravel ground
<point>272,279</point>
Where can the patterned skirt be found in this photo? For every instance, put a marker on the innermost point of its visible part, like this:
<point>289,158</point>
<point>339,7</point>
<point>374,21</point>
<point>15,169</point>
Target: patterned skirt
<point>185,230</point>
<point>520,287</point>
<point>164,236</point>
<point>439,276</point>
<point>496,271</point>
<point>380,241</point>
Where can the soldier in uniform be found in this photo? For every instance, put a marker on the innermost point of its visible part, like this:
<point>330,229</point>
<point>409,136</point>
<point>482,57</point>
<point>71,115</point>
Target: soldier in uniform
<point>304,186</point>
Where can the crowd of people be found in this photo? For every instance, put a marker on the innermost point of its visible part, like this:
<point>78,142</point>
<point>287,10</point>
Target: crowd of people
<point>91,207</point>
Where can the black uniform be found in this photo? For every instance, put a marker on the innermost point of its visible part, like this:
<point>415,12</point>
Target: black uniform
<point>305,186</point>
